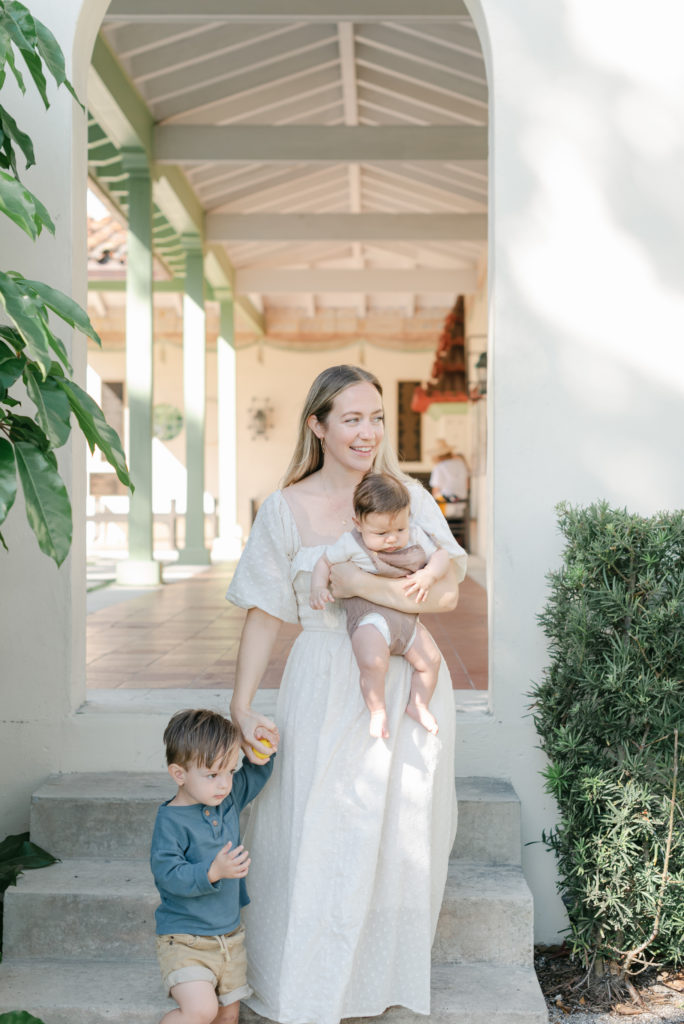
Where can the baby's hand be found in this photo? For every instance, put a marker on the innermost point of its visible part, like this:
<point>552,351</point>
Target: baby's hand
<point>320,596</point>
<point>229,863</point>
<point>418,584</point>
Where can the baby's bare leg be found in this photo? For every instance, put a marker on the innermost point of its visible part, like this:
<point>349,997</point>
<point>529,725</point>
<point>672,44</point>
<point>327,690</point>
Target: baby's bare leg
<point>372,656</point>
<point>197,1004</point>
<point>424,657</point>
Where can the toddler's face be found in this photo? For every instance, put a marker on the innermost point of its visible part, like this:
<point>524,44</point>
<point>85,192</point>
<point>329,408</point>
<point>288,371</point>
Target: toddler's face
<point>385,531</point>
<point>209,784</point>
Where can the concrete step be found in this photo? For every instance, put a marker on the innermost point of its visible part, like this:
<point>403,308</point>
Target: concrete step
<point>488,821</point>
<point>112,815</point>
<point>131,993</point>
<point>91,908</point>
<point>90,814</point>
<point>487,915</point>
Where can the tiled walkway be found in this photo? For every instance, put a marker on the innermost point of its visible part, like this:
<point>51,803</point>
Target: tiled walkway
<point>185,635</point>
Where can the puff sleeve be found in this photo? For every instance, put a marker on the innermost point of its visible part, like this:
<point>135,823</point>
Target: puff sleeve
<point>426,513</point>
<point>262,578</point>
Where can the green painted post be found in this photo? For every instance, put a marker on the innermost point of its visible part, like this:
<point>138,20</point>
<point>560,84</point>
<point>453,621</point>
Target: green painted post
<point>228,544</point>
<point>194,397</point>
<point>140,568</point>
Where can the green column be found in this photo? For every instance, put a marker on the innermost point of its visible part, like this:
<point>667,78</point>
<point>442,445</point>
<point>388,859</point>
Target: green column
<point>140,569</point>
<point>228,544</point>
<point>194,400</point>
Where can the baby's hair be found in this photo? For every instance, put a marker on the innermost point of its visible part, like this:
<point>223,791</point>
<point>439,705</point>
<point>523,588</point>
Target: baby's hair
<point>199,737</point>
<point>379,492</point>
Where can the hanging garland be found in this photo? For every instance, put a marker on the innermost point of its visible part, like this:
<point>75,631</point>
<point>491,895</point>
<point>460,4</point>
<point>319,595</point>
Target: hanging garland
<point>448,376</point>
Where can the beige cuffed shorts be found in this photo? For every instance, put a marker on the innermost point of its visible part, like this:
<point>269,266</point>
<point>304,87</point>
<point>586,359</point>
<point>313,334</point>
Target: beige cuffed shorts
<point>219,959</point>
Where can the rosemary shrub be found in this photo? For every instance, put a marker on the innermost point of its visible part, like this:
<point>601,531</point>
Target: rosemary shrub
<point>610,714</point>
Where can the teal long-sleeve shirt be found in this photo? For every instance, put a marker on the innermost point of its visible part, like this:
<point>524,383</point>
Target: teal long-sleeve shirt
<point>184,844</point>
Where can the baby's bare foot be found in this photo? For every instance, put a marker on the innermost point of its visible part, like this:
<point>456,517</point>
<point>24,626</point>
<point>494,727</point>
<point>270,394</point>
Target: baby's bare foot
<point>423,717</point>
<point>379,728</point>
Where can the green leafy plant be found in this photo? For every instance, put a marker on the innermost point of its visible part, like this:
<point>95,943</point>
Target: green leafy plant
<point>609,710</point>
<point>17,854</point>
<point>19,1017</point>
<point>30,351</point>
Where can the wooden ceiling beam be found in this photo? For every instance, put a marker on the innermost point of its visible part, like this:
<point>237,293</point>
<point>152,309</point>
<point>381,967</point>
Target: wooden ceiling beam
<point>348,227</point>
<point>316,143</point>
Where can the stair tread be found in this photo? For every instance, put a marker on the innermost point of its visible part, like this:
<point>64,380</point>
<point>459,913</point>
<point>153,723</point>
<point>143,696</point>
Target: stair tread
<point>114,878</point>
<point>132,991</point>
<point>107,786</point>
<point>157,786</point>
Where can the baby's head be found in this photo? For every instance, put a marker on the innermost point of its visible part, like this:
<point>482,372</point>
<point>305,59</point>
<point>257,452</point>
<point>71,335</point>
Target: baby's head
<point>202,749</point>
<point>381,512</point>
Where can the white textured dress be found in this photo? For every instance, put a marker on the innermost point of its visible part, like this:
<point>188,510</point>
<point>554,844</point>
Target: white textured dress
<point>350,839</point>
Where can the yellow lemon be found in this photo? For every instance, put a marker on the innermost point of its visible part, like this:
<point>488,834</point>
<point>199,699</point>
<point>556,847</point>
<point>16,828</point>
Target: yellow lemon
<point>262,757</point>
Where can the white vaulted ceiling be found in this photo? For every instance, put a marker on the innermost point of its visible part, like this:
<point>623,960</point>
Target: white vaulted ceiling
<point>339,152</point>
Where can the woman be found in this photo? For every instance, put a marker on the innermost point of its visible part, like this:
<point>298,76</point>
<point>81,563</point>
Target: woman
<point>350,840</point>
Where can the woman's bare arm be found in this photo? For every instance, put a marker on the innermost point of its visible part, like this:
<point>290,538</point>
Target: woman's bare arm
<point>347,580</point>
<point>256,644</point>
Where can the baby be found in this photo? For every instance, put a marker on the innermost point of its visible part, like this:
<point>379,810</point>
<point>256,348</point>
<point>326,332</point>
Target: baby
<point>385,543</point>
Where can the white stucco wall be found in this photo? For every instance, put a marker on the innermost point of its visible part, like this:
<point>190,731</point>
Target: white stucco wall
<point>586,318</point>
<point>42,669</point>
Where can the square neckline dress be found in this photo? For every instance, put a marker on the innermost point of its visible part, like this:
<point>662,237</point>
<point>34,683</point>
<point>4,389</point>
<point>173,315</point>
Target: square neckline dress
<point>350,839</point>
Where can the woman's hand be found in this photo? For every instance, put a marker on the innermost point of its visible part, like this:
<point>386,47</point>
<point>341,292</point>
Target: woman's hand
<point>349,581</point>
<point>254,728</point>
<point>345,580</point>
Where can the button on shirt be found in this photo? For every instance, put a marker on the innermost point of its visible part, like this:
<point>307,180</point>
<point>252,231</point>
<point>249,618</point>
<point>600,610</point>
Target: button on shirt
<point>184,844</point>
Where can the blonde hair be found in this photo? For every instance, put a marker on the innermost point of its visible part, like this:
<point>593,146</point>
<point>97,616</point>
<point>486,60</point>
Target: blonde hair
<point>308,453</point>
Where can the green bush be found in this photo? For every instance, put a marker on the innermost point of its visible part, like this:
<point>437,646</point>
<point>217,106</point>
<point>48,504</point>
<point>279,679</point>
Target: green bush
<point>19,1017</point>
<point>608,711</point>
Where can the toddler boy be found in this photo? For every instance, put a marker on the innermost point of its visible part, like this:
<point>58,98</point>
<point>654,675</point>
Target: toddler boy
<point>199,868</point>
<point>385,543</point>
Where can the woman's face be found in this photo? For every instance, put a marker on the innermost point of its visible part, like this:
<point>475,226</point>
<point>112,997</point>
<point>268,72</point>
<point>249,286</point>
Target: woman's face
<point>354,427</point>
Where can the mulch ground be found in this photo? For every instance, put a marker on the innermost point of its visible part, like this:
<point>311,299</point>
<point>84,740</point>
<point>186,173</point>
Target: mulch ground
<point>563,981</point>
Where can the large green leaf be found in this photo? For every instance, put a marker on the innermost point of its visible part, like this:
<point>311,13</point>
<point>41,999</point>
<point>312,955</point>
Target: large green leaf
<point>64,306</point>
<point>7,57</point>
<point>11,366</point>
<point>96,429</point>
<point>13,338</point>
<point>53,411</point>
<point>48,508</point>
<point>17,854</point>
<point>24,428</point>
<point>25,311</point>
<point>14,133</point>
<point>51,52</point>
<point>22,29</point>
<point>21,206</point>
<point>8,478</point>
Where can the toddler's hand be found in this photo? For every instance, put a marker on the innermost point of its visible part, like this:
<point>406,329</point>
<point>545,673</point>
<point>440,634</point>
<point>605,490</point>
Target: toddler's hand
<point>418,585</point>
<point>320,597</point>
<point>229,863</point>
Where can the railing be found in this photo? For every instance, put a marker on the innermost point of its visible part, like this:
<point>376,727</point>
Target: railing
<point>169,521</point>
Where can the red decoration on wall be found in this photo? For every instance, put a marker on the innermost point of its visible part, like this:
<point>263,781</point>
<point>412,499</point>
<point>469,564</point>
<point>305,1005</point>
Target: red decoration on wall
<point>448,376</point>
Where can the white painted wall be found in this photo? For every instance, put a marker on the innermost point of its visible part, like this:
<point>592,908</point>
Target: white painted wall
<point>586,319</point>
<point>42,670</point>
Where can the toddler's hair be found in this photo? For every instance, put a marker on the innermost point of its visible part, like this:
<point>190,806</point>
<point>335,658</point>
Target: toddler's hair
<point>379,492</point>
<point>199,737</point>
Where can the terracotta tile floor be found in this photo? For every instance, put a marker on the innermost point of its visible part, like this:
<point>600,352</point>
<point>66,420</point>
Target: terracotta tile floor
<point>185,635</point>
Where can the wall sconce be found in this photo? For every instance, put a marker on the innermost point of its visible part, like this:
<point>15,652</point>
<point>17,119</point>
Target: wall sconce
<point>260,418</point>
<point>481,374</point>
